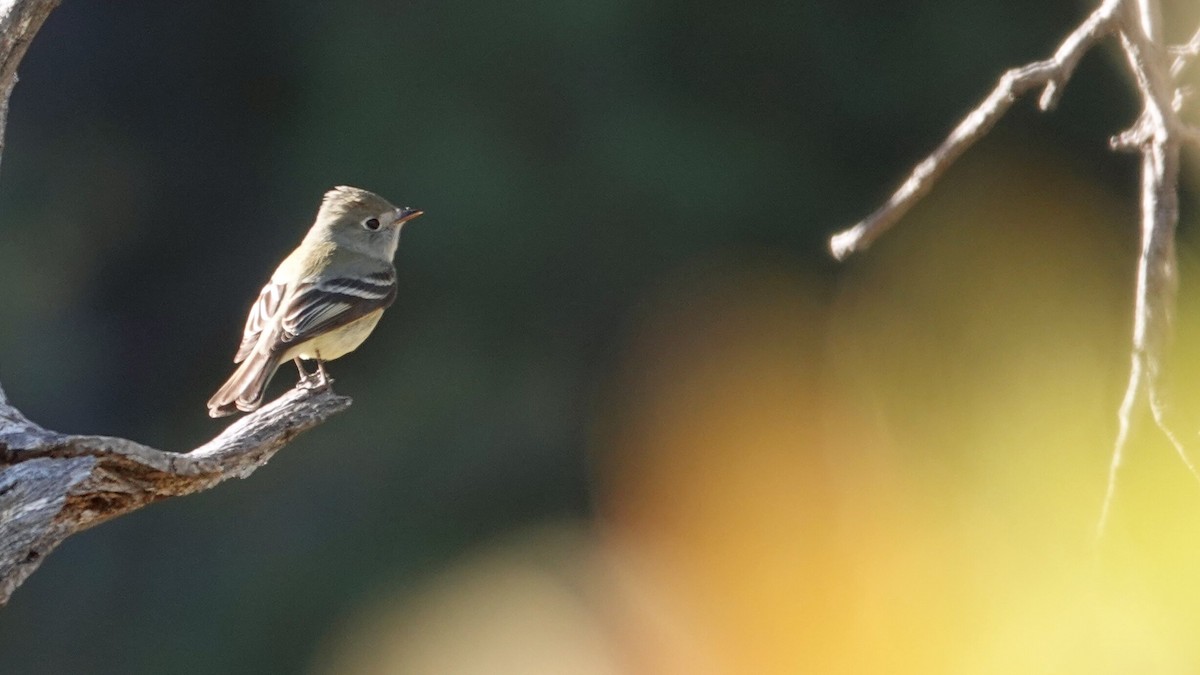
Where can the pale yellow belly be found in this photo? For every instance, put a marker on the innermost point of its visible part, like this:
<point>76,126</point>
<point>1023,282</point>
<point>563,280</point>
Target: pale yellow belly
<point>336,343</point>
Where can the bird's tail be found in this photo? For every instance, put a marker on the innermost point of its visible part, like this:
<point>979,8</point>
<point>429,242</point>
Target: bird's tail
<point>244,389</point>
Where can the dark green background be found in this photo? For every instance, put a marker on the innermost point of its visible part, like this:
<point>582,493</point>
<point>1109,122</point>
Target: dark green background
<point>163,156</point>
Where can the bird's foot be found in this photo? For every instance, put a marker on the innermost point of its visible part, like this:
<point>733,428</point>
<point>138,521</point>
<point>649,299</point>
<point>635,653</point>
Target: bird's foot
<point>310,382</point>
<point>317,381</point>
<point>307,380</point>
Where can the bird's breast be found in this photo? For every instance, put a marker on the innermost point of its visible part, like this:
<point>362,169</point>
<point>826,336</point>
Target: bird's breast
<point>338,342</point>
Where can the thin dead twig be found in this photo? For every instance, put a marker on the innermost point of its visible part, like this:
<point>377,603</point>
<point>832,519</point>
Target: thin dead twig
<point>1051,74</point>
<point>1184,54</point>
<point>1157,134</point>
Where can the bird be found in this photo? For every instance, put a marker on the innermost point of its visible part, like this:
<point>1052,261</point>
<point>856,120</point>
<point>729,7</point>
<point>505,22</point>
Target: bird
<point>323,300</point>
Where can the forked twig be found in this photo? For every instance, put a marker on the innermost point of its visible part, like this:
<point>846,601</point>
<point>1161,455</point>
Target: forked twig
<point>1184,54</point>
<point>1051,74</point>
<point>1157,135</point>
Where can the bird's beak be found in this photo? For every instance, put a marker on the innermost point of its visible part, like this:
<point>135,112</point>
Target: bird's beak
<point>405,214</point>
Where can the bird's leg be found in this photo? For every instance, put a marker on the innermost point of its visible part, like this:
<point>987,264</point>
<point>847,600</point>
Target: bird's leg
<point>306,378</point>
<point>323,378</point>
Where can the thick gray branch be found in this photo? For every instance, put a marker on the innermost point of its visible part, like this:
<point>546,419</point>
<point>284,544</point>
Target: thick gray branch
<point>53,485</point>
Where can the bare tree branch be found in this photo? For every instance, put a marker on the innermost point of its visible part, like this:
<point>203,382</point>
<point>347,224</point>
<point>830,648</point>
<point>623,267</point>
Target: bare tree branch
<point>1184,54</point>
<point>1052,74</point>
<point>53,485</point>
<point>1158,135</point>
<point>20,20</point>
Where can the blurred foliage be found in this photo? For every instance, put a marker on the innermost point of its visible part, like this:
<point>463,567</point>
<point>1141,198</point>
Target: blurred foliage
<point>625,403</point>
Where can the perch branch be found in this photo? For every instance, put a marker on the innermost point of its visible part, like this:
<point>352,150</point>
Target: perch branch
<point>1158,135</point>
<point>53,485</point>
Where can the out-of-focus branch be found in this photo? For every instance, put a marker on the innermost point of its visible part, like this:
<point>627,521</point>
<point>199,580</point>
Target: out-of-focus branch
<point>1184,54</point>
<point>53,485</point>
<point>1051,74</point>
<point>1158,135</point>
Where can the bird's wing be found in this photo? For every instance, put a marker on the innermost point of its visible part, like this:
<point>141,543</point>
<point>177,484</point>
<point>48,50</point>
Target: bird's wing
<point>317,308</point>
<point>261,315</point>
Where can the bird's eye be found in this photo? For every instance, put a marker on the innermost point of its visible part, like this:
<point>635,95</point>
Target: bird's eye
<point>371,223</point>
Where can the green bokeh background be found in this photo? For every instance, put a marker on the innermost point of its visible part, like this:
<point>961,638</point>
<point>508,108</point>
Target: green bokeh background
<point>162,157</point>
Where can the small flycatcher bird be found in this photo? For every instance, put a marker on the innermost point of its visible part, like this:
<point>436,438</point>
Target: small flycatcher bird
<point>323,300</point>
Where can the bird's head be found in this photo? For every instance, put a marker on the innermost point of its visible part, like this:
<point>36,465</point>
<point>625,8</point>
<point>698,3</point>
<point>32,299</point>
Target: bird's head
<point>362,220</point>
